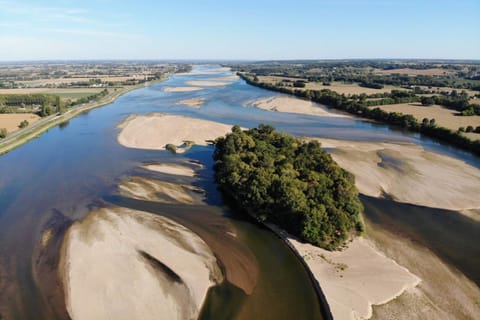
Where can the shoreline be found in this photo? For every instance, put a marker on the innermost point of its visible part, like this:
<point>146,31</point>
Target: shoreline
<point>43,125</point>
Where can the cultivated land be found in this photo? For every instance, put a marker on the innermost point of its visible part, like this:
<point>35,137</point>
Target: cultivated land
<point>444,117</point>
<point>12,121</point>
<point>80,87</point>
<point>358,87</point>
<point>337,86</point>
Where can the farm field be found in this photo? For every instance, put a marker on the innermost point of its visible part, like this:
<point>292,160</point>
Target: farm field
<point>12,120</point>
<point>444,117</point>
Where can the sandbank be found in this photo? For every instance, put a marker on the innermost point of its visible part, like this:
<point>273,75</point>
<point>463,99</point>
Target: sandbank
<point>208,83</point>
<point>444,293</point>
<point>193,102</point>
<point>355,278</point>
<point>408,173</point>
<point>125,264</point>
<point>155,131</point>
<point>181,89</point>
<point>227,78</point>
<point>294,105</point>
<point>156,190</point>
<point>170,168</point>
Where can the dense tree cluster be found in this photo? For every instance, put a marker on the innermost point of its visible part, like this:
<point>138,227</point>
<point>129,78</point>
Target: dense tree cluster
<point>296,185</point>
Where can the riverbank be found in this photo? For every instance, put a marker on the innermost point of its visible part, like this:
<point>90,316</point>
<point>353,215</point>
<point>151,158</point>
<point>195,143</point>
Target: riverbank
<point>34,131</point>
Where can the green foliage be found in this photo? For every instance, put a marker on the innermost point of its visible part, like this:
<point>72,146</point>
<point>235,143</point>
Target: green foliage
<point>23,124</point>
<point>296,185</point>
<point>3,133</point>
<point>172,148</point>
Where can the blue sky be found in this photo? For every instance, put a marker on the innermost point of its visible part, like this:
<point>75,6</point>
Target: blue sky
<point>241,29</point>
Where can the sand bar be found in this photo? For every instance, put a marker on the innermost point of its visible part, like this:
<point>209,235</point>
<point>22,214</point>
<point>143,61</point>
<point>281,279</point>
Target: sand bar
<point>170,168</point>
<point>126,264</point>
<point>181,89</point>
<point>408,173</point>
<point>156,190</point>
<point>193,102</point>
<point>355,278</point>
<point>207,83</point>
<point>293,105</point>
<point>154,131</point>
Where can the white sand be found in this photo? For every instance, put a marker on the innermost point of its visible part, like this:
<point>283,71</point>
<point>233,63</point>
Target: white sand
<point>409,174</point>
<point>294,105</point>
<point>193,102</point>
<point>154,131</point>
<point>170,168</point>
<point>356,278</point>
<point>227,78</point>
<point>207,83</point>
<point>181,89</point>
<point>156,190</point>
<point>113,269</point>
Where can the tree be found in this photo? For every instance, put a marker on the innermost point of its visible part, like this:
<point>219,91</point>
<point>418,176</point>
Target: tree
<point>172,148</point>
<point>427,101</point>
<point>469,129</point>
<point>23,124</point>
<point>3,133</point>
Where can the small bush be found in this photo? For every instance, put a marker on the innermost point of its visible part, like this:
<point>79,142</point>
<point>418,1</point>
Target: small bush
<point>172,148</point>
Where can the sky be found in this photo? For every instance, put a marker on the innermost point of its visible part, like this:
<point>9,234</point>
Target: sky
<point>239,30</point>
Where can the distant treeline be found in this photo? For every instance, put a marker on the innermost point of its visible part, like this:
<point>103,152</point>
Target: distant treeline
<point>359,108</point>
<point>277,178</point>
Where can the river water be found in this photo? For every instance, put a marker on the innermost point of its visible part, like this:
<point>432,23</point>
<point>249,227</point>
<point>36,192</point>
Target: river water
<point>74,168</point>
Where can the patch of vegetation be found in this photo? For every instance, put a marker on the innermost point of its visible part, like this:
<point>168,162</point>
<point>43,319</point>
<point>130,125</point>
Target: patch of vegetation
<point>171,147</point>
<point>296,185</point>
<point>3,133</point>
<point>23,124</point>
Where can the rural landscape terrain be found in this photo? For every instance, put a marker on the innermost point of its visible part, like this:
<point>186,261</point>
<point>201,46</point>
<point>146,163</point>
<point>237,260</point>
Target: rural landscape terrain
<point>238,160</point>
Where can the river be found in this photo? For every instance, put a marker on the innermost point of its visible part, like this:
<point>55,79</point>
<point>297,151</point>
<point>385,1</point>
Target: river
<point>74,168</point>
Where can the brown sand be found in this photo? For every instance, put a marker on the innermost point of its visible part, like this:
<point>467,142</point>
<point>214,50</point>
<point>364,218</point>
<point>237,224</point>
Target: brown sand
<point>408,173</point>
<point>127,264</point>
<point>154,131</point>
<point>193,102</point>
<point>181,89</point>
<point>10,121</point>
<point>294,105</point>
